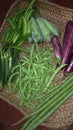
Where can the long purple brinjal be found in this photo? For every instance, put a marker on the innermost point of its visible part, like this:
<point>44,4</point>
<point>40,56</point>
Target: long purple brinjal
<point>69,68</point>
<point>57,47</point>
<point>67,43</point>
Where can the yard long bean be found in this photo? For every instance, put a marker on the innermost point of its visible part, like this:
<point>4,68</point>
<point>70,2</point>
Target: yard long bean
<point>63,95</point>
<point>54,94</point>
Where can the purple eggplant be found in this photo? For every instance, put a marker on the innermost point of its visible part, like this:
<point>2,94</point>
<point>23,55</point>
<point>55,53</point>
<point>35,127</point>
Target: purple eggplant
<point>69,68</point>
<point>57,47</point>
<point>67,43</point>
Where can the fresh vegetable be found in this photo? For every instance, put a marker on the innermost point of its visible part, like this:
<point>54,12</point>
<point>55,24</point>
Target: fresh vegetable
<point>7,38</point>
<point>24,26</point>
<point>5,68</point>
<point>47,112</point>
<point>69,67</point>
<point>25,11</point>
<point>51,27</point>
<point>35,31</point>
<point>57,48</point>
<point>67,43</point>
<point>18,27</point>
<point>47,107</point>
<point>9,20</point>
<point>33,73</point>
<point>44,30</point>
<point>39,28</point>
<point>14,36</point>
<point>28,74</point>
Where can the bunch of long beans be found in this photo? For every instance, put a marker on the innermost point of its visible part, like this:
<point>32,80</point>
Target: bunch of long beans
<point>49,105</point>
<point>33,73</point>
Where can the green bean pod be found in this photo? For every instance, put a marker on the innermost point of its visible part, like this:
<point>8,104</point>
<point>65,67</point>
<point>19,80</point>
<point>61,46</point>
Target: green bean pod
<point>51,27</point>
<point>15,37</point>
<point>29,32</point>
<point>9,20</point>
<point>36,34</point>
<point>24,26</point>
<point>44,30</point>
<point>6,36</point>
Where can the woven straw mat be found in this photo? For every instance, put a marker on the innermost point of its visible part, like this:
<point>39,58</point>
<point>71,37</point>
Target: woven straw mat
<point>63,117</point>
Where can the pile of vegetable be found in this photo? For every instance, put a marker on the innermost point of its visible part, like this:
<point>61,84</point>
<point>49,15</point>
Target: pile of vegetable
<point>28,25</point>
<point>64,53</point>
<point>30,72</point>
<point>49,105</point>
<point>25,25</point>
